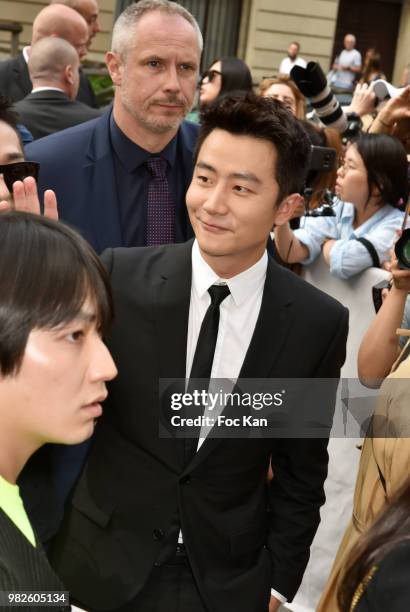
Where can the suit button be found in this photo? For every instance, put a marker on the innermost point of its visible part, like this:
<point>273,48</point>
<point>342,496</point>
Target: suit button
<point>158,534</point>
<point>186,479</point>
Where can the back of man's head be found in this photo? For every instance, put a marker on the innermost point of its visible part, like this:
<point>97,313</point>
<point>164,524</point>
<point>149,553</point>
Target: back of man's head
<point>53,62</point>
<point>64,22</point>
<point>123,35</point>
<point>264,119</point>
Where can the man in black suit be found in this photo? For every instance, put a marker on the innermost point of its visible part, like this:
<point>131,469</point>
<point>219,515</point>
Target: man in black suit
<point>161,524</point>
<point>55,20</point>
<point>51,106</point>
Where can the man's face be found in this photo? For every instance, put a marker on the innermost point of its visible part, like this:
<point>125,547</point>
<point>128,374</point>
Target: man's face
<point>293,51</point>
<point>56,395</point>
<point>78,37</point>
<point>232,200</point>
<point>90,11</point>
<point>349,42</point>
<point>10,151</point>
<point>156,80</point>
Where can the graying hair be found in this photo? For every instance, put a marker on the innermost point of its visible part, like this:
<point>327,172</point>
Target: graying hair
<point>126,23</point>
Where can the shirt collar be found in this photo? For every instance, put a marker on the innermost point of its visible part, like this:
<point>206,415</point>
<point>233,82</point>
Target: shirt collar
<point>132,155</point>
<point>241,286</point>
<point>36,89</point>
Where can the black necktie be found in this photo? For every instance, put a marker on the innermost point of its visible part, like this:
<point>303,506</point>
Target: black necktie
<point>204,353</point>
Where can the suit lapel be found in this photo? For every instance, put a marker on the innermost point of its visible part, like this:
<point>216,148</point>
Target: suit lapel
<point>102,198</point>
<point>271,330</point>
<point>172,313</point>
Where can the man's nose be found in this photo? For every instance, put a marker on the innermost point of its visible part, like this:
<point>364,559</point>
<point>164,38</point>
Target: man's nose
<point>172,79</point>
<point>102,366</point>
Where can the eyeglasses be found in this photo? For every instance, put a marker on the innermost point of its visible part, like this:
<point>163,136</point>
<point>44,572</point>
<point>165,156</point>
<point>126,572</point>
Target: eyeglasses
<point>19,171</point>
<point>210,75</point>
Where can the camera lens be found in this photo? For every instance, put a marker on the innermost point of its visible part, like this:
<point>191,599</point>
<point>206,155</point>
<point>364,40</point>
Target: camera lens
<point>402,249</point>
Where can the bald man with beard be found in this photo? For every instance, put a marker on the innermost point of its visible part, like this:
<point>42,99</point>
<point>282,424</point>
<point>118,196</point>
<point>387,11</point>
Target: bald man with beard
<point>88,9</point>
<point>55,20</point>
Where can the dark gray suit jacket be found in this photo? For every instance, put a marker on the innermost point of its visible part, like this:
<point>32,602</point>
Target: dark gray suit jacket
<point>48,111</point>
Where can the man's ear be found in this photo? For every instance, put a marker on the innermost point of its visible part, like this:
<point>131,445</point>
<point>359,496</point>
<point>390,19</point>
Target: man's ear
<point>115,67</point>
<point>288,208</point>
<point>69,74</point>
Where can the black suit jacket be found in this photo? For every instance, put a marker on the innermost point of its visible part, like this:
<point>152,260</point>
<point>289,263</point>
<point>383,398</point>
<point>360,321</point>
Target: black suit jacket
<point>135,484</point>
<point>24,567</point>
<point>48,111</point>
<point>15,82</point>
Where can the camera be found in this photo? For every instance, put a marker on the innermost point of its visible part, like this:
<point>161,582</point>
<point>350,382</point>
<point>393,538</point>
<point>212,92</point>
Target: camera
<point>322,159</point>
<point>312,82</point>
<point>402,250</point>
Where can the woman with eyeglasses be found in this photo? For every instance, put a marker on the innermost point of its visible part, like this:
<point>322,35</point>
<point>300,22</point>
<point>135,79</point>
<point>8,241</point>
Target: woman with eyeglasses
<point>371,183</point>
<point>55,304</point>
<point>224,75</point>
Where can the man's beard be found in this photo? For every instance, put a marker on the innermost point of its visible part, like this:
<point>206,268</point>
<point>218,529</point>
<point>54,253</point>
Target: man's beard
<point>156,124</point>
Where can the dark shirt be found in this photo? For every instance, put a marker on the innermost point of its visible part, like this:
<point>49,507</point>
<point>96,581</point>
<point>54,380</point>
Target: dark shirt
<point>132,181</point>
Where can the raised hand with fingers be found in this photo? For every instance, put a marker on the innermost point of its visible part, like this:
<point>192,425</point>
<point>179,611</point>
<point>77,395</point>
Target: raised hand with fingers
<point>25,197</point>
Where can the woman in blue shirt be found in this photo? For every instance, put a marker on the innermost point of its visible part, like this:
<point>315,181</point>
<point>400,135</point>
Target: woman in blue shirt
<point>370,185</point>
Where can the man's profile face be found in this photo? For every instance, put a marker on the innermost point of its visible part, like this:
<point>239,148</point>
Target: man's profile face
<point>156,80</point>
<point>90,11</point>
<point>233,196</point>
<point>10,151</point>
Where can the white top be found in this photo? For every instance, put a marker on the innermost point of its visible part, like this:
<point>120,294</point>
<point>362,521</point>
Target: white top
<point>238,315</point>
<point>287,64</point>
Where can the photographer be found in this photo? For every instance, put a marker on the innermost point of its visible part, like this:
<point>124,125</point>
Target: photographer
<point>370,183</point>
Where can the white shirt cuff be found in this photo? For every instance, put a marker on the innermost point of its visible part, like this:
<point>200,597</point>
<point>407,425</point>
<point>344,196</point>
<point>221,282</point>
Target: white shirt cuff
<point>278,596</point>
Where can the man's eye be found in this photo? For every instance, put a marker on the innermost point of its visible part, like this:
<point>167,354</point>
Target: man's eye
<point>202,179</point>
<point>76,335</point>
<point>187,67</point>
<point>154,63</point>
<point>241,189</point>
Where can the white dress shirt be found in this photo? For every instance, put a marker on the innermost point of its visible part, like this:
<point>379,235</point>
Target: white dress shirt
<point>238,315</point>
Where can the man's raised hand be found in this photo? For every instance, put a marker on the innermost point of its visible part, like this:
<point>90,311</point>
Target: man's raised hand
<point>25,197</point>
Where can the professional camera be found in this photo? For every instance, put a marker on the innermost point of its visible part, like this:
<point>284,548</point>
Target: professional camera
<point>322,159</point>
<point>402,250</point>
<point>311,81</point>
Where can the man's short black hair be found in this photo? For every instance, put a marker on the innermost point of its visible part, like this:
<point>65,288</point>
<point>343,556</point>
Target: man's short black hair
<point>265,119</point>
<point>47,271</point>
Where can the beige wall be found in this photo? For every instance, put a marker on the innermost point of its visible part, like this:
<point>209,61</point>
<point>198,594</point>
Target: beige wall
<point>403,44</point>
<point>24,11</point>
<point>274,24</point>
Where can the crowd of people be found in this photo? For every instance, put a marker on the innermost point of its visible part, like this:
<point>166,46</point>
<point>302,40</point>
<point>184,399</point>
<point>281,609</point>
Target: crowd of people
<point>203,229</point>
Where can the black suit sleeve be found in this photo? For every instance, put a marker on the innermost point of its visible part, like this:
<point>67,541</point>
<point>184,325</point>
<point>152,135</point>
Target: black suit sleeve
<point>296,491</point>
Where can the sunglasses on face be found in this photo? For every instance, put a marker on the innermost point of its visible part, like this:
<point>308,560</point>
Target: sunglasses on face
<point>210,75</point>
<point>18,171</point>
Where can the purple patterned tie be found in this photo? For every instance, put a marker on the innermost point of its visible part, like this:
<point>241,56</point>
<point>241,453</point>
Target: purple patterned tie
<point>161,208</point>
